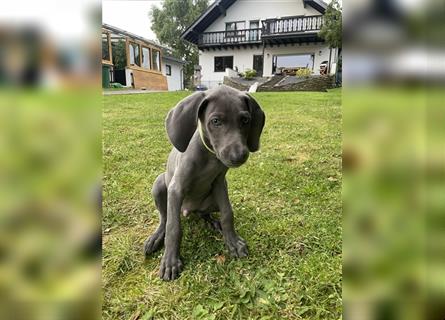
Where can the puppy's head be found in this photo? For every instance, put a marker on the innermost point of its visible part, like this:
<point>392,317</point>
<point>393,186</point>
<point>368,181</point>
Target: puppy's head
<point>231,122</point>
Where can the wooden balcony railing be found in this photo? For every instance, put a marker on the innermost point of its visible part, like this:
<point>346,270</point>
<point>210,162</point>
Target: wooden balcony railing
<point>230,37</point>
<point>292,25</point>
<point>270,28</point>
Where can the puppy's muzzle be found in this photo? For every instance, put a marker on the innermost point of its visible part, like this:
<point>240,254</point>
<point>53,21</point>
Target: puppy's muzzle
<point>235,156</point>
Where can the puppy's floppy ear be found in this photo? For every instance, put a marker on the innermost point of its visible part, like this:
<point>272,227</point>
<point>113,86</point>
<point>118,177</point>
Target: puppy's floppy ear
<point>182,120</point>
<point>256,124</point>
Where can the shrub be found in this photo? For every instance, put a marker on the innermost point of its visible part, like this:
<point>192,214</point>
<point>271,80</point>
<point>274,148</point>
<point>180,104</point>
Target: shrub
<point>116,85</point>
<point>249,74</point>
<point>303,73</point>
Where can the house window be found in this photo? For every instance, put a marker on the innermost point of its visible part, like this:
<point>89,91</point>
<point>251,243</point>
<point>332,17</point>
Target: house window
<point>221,63</point>
<point>135,58</point>
<point>119,56</point>
<point>145,58</point>
<point>293,61</point>
<point>156,60</point>
<point>105,46</point>
<point>296,61</point>
<point>231,28</point>
<point>168,70</point>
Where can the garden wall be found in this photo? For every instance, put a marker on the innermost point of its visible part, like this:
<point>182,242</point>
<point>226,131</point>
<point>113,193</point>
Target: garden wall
<point>288,83</point>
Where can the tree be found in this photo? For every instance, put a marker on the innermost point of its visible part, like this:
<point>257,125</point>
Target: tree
<point>170,21</point>
<point>119,54</point>
<point>331,31</point>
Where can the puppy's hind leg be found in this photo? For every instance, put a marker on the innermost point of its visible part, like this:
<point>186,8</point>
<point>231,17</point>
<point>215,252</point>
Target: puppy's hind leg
<point>211,222</point>
<point>159,192</point>
<point>207,207</point>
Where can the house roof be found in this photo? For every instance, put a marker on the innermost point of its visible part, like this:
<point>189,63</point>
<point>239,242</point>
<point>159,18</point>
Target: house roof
<point>130,35</point>
<point>174,59</point>
<point>218,8</point>
<point>165,50</point>
<point>318,5</point>
<point>213,12</point>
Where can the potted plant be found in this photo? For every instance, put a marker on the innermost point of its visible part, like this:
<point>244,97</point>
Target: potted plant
<point>303,73</point>
<point>249,74</point>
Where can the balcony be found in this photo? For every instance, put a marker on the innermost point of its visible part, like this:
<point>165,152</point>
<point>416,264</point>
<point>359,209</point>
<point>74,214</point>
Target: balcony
<point>292,25</point>
<point>275,31</point>
<point>230,37</point>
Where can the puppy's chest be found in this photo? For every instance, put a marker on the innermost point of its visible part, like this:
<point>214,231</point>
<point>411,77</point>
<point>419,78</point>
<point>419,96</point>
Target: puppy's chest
<point>201,185</point>
<point>198,196</point>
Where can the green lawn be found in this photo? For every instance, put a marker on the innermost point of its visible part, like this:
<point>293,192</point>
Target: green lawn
<point>287,204</point>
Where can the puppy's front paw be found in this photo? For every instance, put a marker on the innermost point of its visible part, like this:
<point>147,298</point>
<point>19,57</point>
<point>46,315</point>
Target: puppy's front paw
<point>237,247</point>
<point>171,267</point>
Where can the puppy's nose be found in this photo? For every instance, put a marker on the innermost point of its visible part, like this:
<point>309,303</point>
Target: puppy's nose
<point>239,155</point>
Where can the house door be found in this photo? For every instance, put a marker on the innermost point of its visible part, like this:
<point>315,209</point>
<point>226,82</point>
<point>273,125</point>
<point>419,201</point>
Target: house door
<point>258,65</point>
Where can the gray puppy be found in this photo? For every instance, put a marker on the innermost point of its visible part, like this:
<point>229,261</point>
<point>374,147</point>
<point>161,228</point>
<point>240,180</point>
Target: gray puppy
<point>211,132</point>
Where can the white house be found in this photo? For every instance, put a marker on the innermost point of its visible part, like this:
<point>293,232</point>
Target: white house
<point>263,35</point>
<point>173,70</point>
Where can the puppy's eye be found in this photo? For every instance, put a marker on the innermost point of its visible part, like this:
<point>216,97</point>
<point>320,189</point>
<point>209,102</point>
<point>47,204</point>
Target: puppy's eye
<point>216,122</point>
<point>245,120</point>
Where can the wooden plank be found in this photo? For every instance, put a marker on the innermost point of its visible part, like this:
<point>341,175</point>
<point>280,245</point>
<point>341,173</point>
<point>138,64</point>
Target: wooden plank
<point>137,68</point>
<point>108,62</point>
<point>109,48</point>
<point>149,79</point>
<point>127,51</point>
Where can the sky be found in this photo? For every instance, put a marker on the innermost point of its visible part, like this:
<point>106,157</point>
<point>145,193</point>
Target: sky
<point>53,17</point>
<point>130,15</point>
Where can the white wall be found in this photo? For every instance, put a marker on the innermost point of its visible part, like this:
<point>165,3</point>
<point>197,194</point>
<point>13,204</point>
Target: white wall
<point>128,74</point>
<point>242,58</point>
<point>174,81</point>
<point>246,10</point>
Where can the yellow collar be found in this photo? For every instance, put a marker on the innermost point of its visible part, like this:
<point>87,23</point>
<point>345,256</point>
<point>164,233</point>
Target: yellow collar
<point>201,134</point>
